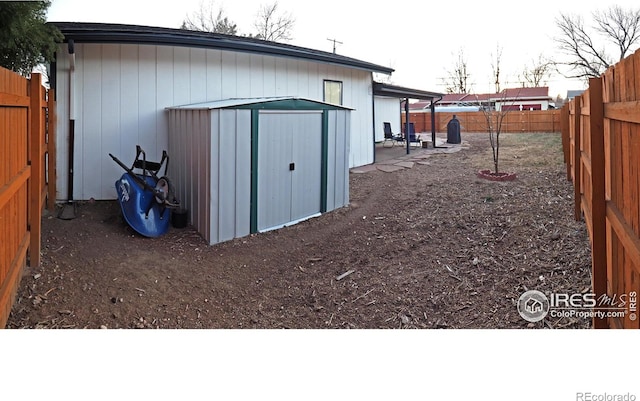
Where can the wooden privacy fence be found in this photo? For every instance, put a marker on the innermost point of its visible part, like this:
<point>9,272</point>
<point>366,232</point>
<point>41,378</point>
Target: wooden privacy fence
<point>601,141</point>
<point>515,121</point>
<point>27,164</point>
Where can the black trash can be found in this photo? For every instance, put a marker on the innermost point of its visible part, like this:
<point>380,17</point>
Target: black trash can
<point>179,218</point>
<point>453,131</point>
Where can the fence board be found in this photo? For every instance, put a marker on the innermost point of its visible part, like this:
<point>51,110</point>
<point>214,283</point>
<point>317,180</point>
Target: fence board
<point>609,174</point>
<point>24,147</point>
<point>514,122</point>
<point>14,180</point>
<point>37,179</point>
<point>597,196</point>
<point>575,159</point>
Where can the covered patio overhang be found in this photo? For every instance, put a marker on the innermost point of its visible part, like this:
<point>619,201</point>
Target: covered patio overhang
<point>400,92</point>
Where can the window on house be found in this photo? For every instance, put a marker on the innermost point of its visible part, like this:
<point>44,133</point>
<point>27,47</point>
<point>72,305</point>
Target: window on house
<point>333,92</point>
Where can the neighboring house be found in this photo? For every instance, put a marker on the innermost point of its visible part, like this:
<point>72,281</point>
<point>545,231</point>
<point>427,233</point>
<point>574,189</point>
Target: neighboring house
<point>512,98</point>
<point>114,83</point>
<point>523,99</point>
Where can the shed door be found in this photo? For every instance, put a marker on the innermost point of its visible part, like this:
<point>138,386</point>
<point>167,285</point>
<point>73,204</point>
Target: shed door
<point>289,167</point>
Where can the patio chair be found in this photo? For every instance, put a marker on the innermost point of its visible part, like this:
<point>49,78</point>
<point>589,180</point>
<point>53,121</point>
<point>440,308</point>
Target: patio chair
<point>389,136</point>
<point>413,139</point>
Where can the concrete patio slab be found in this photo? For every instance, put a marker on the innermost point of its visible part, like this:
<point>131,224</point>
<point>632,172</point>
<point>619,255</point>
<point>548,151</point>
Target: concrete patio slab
<point>364,169</point>
<point>389,168</point>
<point>406,164</point>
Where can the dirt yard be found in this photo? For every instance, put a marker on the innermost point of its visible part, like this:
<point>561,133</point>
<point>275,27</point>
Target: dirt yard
<point>431,246</point>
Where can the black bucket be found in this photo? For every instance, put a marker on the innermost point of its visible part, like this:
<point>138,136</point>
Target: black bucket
<point>179,218</point>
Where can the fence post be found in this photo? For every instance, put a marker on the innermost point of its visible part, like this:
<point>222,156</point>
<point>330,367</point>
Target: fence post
<point>35,156</point>
<point>598,201</point>
<point>577,163</point>
<point>564,129</point>
<point>51,150</point>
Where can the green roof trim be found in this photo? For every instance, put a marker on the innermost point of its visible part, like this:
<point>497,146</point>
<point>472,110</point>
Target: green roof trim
<point>292,104</point>
<point>264,103</point>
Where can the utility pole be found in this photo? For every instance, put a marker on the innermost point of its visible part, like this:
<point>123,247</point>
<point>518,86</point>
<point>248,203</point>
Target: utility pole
<point>334,44</point>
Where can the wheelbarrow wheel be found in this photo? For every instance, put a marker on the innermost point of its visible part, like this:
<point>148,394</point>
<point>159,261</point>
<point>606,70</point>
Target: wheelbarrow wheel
<point>165,193</point>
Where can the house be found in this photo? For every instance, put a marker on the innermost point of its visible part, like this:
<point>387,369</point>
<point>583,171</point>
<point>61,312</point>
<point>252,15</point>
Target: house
<point>512,98</point>
<point>523,99</point>
<point>114,83</point>
<point>260,134</point>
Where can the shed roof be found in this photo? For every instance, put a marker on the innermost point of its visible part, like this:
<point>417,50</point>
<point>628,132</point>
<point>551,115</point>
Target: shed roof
<point>89,32</point>
<point>273,103</point>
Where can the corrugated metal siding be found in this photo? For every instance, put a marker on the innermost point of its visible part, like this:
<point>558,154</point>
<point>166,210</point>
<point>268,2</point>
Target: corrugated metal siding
<point>274,182</point>
<point>307,156</point>
<point>190,153</point>
<point>283,195</point>
<point>234,174</point>
<point>242,172</point>
<point>121,92</point>
<point>210,166</point>
<point>338,159</point>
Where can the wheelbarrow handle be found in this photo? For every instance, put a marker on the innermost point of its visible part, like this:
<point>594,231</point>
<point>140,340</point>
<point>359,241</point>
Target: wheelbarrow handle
<point>115,159</point>
<point>139,180</point>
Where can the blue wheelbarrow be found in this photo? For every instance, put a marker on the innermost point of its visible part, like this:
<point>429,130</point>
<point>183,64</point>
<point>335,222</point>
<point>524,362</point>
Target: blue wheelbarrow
<point>146,200</point>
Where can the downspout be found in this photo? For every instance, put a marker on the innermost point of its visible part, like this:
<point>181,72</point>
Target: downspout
<point>72,117</point>
<point>373,123</point>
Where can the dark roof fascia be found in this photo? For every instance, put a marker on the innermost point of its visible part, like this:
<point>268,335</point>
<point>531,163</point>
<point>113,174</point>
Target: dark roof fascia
<point>81,32</point>
<point>386,90</point>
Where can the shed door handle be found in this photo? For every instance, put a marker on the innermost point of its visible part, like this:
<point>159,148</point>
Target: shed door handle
<point>292,166</point>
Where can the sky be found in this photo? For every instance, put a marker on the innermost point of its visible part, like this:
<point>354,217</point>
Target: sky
<point>419,39</point>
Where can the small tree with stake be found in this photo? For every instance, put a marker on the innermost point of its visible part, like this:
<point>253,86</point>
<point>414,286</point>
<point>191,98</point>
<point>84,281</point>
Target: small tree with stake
<point>495,119</point>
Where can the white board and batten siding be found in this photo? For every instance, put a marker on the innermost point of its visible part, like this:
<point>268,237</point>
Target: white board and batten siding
<point>120,92</point>
<point>387,109</point>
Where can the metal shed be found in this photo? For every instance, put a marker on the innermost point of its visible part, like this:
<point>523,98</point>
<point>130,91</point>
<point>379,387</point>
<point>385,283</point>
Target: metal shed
<point>243,166</point>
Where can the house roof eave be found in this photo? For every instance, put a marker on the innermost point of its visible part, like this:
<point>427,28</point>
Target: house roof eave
<point>387,90</point>
<point>82,32</point>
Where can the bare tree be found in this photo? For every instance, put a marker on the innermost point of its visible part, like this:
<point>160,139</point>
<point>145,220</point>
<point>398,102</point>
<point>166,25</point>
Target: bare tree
<point>588,58</point>
<point>494,118</point>
<point>620,26</point>
<point>206,20</point>
<point>458,79</point>
<point>495,67</point>
<point>273,26</point>
<point>537,73</point>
